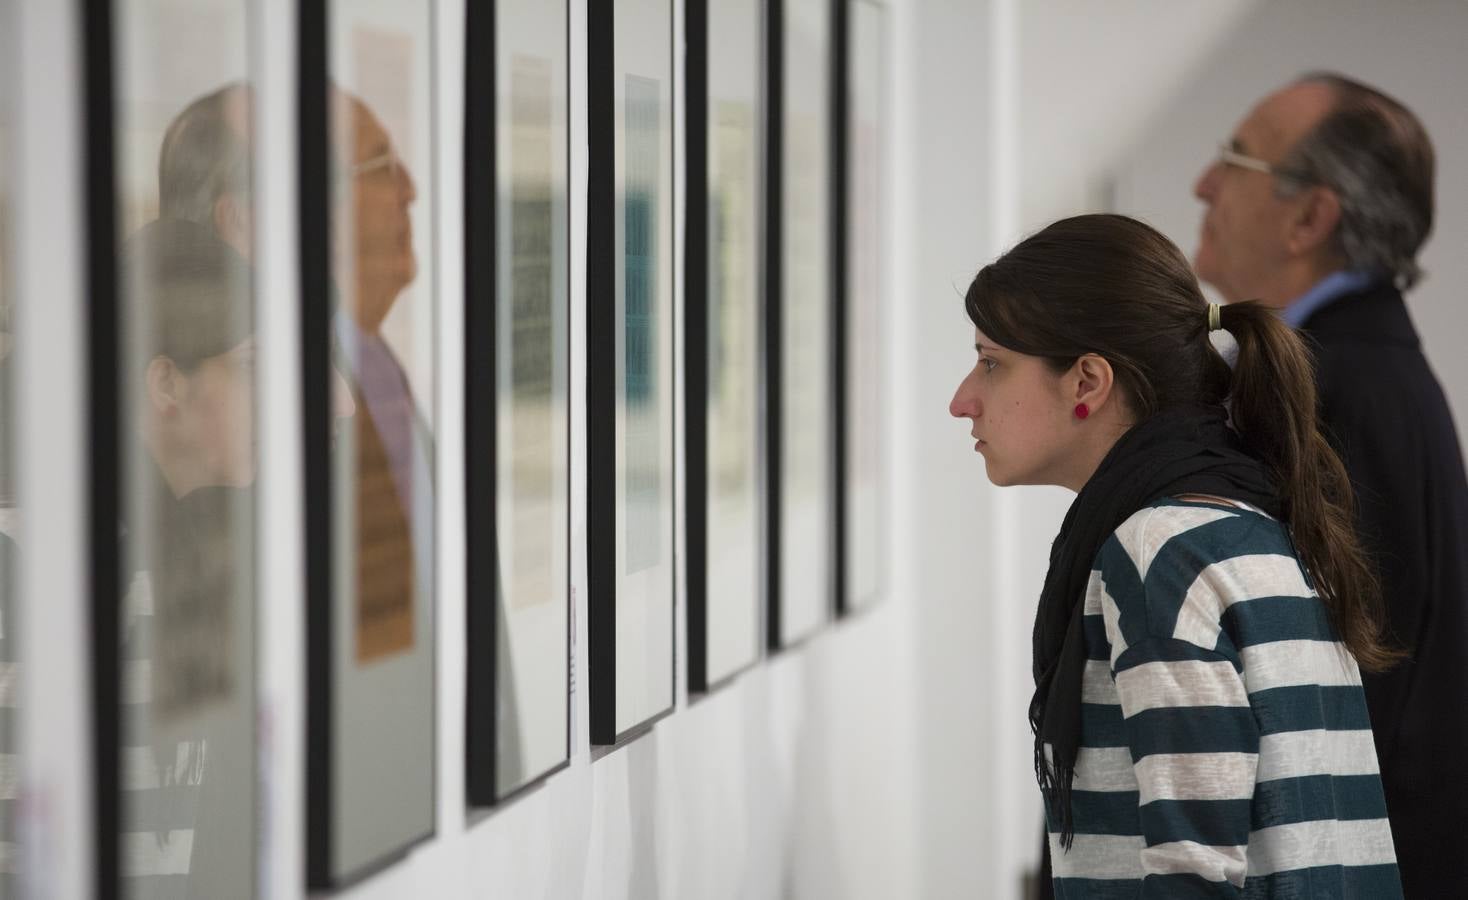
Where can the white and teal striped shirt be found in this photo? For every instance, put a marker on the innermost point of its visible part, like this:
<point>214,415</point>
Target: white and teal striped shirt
<point>1225,744</point>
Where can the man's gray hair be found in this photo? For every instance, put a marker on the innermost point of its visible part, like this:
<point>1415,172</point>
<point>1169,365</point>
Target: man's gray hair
<point>1377,158</point>
<point>204,156</point>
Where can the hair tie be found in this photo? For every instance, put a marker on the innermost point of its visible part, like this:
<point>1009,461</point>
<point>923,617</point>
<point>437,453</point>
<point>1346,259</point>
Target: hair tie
<point>1215,317</point>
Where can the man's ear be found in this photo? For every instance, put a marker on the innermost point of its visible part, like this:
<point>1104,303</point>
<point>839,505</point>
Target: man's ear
<point>1315,221</point>
<point>164,383</point>
<point>232,222</point>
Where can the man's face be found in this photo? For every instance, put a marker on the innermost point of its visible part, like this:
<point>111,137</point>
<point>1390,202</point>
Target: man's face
<point>1244,240</point>
<point>377,191</point>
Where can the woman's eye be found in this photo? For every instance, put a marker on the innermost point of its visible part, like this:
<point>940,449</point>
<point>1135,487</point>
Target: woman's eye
<point>988,364</point>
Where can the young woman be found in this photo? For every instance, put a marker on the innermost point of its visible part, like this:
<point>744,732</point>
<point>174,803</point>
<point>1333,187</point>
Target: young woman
<point>1200,728</point>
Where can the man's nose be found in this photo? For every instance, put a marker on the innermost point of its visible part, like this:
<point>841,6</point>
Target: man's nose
<point>1206,187</point>
<point>406,187</point>
<point>342,404</point>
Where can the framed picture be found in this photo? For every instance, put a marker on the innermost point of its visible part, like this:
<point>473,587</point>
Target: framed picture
<point>800,323</point>
<point>723,322</point>
<point>172,455</point>
<point>370,385</point>
<point>862,296</point>
<point>517,354</point>
<point>629,360</point>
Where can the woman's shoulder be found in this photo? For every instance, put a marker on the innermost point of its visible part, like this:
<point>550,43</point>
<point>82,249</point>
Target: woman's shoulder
<point>1197,527</point>
<point>1174,567</point>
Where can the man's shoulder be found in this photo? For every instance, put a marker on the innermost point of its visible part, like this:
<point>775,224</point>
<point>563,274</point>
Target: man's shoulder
<point>1377,314</point>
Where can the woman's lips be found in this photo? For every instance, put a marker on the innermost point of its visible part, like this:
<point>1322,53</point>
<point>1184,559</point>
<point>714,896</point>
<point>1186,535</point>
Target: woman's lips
<point>979,445</point>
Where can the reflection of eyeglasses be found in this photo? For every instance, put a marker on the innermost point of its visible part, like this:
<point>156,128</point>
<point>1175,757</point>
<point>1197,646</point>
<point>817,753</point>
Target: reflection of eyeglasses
<point>388,160</point>
<point>1228,156</point>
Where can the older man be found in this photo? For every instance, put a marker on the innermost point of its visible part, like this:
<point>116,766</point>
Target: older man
<point>1318,205</point>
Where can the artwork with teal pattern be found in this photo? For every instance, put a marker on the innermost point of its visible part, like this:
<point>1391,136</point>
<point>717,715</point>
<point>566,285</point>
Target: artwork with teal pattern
<point>643,438</point>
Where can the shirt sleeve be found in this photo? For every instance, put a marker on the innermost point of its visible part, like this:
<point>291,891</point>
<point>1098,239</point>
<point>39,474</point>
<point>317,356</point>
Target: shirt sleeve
<point>1194,744</point>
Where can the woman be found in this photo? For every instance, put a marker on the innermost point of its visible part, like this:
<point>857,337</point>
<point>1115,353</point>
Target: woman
<point>1200,728</point>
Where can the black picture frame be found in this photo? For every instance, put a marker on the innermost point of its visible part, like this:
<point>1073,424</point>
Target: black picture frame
<point>178,703</point>
<point>804,389</point>
<point>496,764</point>
<point>104,467</point>
<point>725,584</point>
<point>394,828</point>
<point>629,47</point>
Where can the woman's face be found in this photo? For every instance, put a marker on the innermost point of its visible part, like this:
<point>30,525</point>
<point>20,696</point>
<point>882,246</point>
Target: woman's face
<point>212,436</point>
<point>217,401</point>
<point>1019,415</point>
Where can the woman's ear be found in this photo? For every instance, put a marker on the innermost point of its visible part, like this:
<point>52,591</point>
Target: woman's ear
<point>164,383</point>
<point>1093,381</point>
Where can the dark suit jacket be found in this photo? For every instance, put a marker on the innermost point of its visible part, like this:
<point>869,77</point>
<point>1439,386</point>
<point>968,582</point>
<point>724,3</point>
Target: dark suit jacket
<point>1387,415</point>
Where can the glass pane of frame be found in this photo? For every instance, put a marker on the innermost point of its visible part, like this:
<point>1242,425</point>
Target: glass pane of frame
<point>865,292</point>
<point>376,741</point>
<point>520,606</point>
<point>186,384</point>
<point>805,581</point>
<point>533,367</point>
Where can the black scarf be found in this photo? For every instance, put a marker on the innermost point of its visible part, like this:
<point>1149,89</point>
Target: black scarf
<point>1179,451</point>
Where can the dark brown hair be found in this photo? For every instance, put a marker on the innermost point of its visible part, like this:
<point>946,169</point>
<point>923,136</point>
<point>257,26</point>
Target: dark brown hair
<point>1115,287</point>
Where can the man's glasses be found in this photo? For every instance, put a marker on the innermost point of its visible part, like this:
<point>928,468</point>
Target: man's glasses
<point>1228,156</point>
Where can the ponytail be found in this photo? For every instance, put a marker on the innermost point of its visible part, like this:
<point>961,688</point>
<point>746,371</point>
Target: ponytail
<point>1273,407</point>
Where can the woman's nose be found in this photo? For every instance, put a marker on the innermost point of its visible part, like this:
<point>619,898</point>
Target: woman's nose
<point>965,403</point>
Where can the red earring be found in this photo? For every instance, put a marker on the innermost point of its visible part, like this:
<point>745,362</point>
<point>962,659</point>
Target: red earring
<point>1082,410</point>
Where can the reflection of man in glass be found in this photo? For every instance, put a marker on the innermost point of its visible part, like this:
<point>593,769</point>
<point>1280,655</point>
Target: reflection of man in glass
<point>373,263</point>
<point>204,166</point>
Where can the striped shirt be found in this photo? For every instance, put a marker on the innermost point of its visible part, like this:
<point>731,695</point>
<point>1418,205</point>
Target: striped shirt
<point>9,709</point>
<point>161,771</point>
<point>1225,745</point>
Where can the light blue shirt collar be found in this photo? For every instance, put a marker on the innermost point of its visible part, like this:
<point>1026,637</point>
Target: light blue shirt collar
<point>1325,292</point>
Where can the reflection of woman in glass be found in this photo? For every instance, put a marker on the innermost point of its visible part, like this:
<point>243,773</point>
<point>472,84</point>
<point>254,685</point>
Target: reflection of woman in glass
<point>1200,728</point>
<point>199,356</point>
<point>187,537</point>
